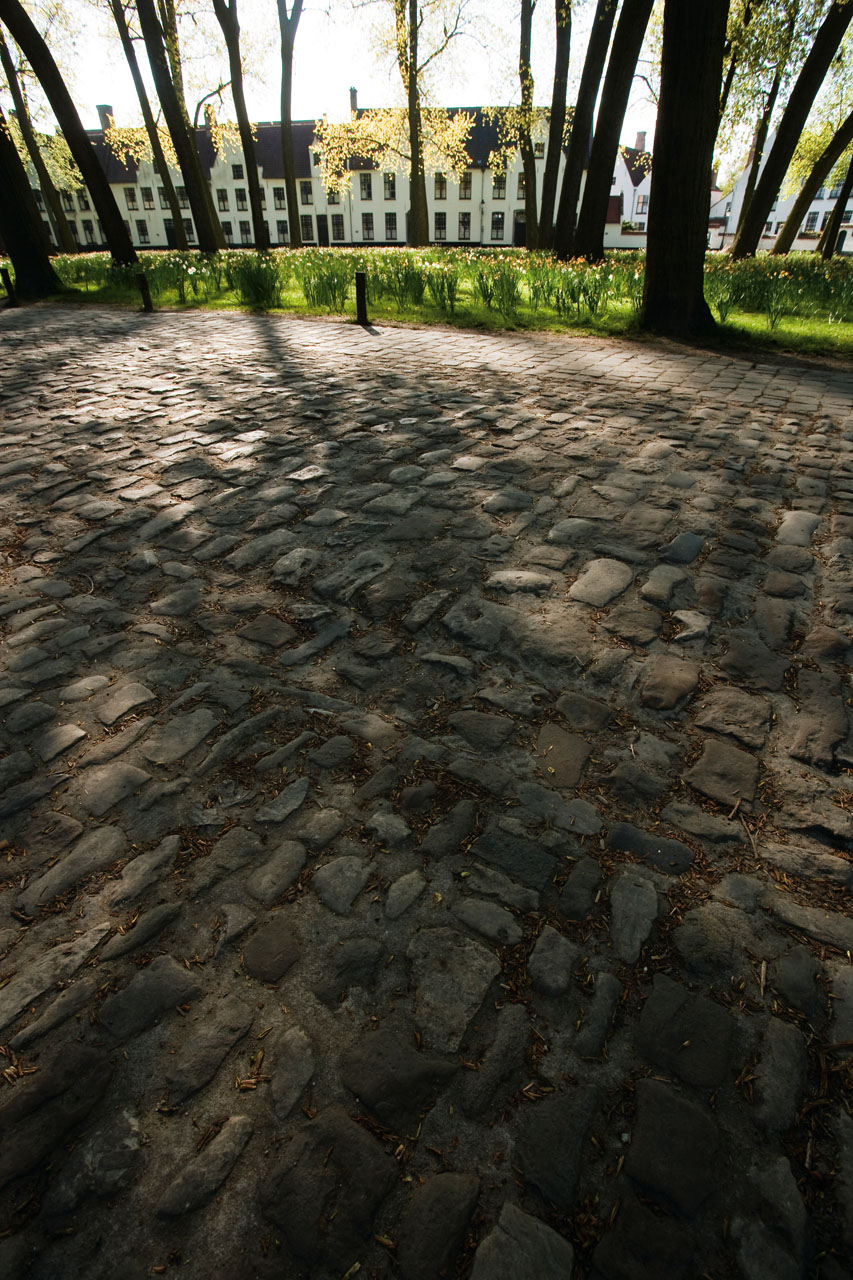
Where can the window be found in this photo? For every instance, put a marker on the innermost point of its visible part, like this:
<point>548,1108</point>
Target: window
<point>639,226</point>
<point>835,192</point>
<point>824,220</point>
<point>367,226</point>
<point>183,199</point>
<point>89,232</point>
<point>522,186</point>
<point>779,226</point>
<point>73,226</point>
<point>497,226</point>
<point>440,186</point>
<point>147,197</point>
<point>499,186</point>
<point>642,204</point>
<point>240,193</point>
<point>848,213</point>
<point>228,232</point>
<point>189,228</point>
<point>365,182</point>
<point>811,222</point>
<point>161,192</point>
<point>728,208</point>
<point>281,230</point>
<point>263,194</point>
<point>333,197</point>
<point>67,202</point>
<point>390,226</point>
<point>237,173</point>
<point>820,194</point>
<point>768,227</point>
<point>245,232</point>
<point>441,226</point>
<point>539,150</point>
<point>465,186</point>
<point>464,226</point>
<point>130,197</point>
<point>613,181</point>
<point>38,197</point>
<point>306,223</point>
<point>222,199</point>
<point>306,193</point>
<point>83,201</point>
<point>337,226</point>
<point>278,197</point>
<point>141,230</point>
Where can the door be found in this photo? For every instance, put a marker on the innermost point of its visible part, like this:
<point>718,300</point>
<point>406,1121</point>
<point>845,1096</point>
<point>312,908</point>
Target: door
<point>519,230</point>
<point>322,228</point>
<point>170,232</point>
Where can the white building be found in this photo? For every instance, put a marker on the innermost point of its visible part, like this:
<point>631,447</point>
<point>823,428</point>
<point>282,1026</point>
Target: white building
<point>725,213</point>
<point>482,208</point>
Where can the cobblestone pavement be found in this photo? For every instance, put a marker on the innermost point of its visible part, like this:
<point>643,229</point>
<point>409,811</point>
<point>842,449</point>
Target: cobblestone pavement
<point>426,805</point>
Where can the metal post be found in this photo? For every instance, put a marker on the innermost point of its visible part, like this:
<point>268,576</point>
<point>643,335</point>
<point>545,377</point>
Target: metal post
<point>9,287</point>
<point>142,283</point>
<point>361,298</point>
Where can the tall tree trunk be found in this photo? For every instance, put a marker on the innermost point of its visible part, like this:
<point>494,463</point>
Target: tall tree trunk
<point>41,60</point>
<point>802,96</point>
<point>227,14</point>
<point>64,239</point>
<point>208,230</point>
<point>829,237</point>
<point>627,42</point>
<point>563,18</point>
<point>288,25</point>
<point>406,36</point>
<point>691,68</point>
<point>824,164</point>
<point>579,140</point>
<point>762,129</point>
<point>733,56</point>
<point>117,7</point>
<point>525,142</point>
<point>21,227</point>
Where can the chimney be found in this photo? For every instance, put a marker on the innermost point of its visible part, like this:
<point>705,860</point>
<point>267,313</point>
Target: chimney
<point>640,144</point>
<point>353,99</point>
<point>105,115</point>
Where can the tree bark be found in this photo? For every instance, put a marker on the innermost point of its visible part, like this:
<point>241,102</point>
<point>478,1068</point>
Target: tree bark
<point>579,140</point>
<point>288,25</point>
<point>627,42</point>
<point>802,96</point>
<point>208,230</point>
<point>732,55</point>
<point>525,142</point>
<point>758,148</point>
<point>406,33</point>
<point>824,164</point>
<point>691,69</point>
<point>117,7</point>
<point>21,227</point>
<point>829,237</point>
<point>563,19</point>
<point>227,15</point>
<point>41,60</point>
<point>64,239</point>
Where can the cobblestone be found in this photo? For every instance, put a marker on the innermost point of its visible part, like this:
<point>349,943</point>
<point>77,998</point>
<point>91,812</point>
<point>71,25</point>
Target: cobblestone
<point>425,736</point>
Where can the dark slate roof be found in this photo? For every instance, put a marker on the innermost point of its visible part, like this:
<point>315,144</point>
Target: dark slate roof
<point>112,167</point>
<point>637,162</point>
<point>267,151</point>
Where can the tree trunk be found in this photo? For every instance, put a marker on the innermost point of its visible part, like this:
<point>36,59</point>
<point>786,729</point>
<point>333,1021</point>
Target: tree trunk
<point>802,96</point>
<point>525,143</point>
<point>117,7</point>
<point>732,55</point>
<point>824,165</point>
<point>563,17</point>
<point>829,238</point>
<point>759,144</point>
<point>208,230</point>
<point>41,60</point>
<point>406,34</point>
<point>228,21</point>
<point>288,27</point>
<point>596,54</point>
<point>56,213</point>
<point>21,226</point>
<point>691,68</point>
<point>627,42</point>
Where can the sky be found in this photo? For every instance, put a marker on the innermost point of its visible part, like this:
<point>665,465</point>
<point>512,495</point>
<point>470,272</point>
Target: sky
<point>335,50</point>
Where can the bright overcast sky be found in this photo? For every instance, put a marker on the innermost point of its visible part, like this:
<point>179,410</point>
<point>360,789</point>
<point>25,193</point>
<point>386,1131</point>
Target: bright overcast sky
<point>334,52</point>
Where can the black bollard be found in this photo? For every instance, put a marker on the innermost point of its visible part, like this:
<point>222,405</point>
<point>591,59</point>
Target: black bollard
<point>142,284</point>
<point>361,298</point>
<point>9,287</point>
